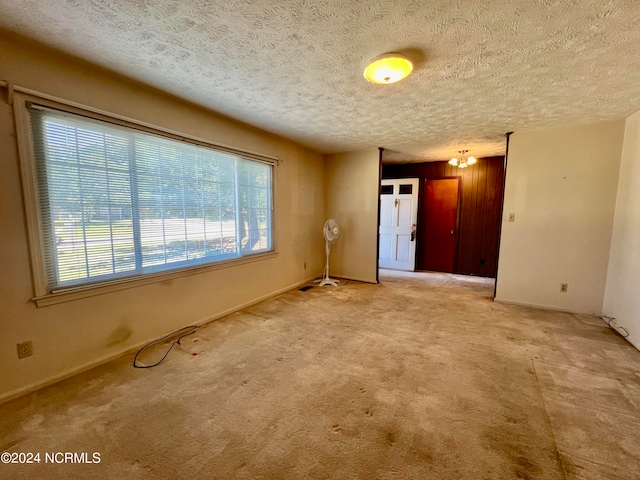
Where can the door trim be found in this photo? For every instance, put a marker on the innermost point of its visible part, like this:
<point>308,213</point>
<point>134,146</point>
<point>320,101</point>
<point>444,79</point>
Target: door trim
<point>504,186</point>
<point>380,150</point>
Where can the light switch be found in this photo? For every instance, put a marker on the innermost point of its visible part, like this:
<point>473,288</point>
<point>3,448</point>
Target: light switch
<point>512,217</point>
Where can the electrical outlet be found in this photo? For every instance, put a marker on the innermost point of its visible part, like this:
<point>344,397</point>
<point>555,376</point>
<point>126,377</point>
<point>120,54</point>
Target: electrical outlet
<point>564,287</point>
<point>25,349</point>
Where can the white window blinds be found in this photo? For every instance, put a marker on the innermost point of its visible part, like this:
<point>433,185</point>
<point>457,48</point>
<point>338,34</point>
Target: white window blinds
<point>116,202</point>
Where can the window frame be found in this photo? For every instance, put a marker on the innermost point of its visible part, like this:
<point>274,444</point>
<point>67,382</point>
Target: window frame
<point>34,217</point>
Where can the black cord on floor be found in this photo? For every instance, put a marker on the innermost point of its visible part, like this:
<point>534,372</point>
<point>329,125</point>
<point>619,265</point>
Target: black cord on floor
<point>611,321</point>
<point>177,342</point>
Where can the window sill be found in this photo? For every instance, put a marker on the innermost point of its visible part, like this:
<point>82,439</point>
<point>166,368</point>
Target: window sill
<point>90,291</point>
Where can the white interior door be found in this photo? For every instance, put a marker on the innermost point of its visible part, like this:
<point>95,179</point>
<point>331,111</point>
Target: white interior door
<point>398,217</point>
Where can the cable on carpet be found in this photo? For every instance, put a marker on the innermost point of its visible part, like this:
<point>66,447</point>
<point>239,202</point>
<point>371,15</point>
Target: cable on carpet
<point>611,321</point>
<point>177,342</point>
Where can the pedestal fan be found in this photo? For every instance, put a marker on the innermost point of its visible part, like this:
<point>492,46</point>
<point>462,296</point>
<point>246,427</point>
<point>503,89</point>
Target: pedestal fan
<point>331,231</point>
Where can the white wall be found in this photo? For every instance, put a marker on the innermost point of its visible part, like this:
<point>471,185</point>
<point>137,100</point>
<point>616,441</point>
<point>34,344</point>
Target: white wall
<point>351,197</point>
<point>561,184</point>
<point>68,336</point>
<point>622,293</point>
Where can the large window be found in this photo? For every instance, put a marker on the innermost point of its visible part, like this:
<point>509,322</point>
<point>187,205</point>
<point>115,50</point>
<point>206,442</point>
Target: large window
<point>116,202</point>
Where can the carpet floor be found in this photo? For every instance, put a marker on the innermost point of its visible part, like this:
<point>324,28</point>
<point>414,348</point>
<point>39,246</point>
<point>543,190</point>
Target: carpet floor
<point>420,377</point>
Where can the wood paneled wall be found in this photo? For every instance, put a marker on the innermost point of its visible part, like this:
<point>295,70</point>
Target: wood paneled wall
<point>479,210</point>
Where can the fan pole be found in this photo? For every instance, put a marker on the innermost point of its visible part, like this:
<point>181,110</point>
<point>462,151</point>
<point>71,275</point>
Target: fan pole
<point>326,280</point>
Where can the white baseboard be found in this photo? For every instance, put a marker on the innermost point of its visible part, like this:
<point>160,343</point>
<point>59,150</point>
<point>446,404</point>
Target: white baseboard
<point>355,279</point>
<point>632,340</point>
<point>535,305</point>
<point>19,392</point>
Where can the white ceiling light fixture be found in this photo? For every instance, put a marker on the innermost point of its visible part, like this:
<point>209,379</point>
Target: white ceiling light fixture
<point>462,161</point>
<point>388,68</point>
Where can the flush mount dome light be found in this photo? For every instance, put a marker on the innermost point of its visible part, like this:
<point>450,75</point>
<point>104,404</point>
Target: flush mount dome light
<point>388,68</point>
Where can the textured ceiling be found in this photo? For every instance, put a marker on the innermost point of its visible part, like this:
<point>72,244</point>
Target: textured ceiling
<point>294,67</point>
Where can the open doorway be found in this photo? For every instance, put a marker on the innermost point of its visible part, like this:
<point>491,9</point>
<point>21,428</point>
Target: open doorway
<point>475,238</point>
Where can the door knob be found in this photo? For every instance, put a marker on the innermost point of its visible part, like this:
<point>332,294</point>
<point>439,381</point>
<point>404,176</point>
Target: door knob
<point>451,232</point>
<point>395,202</point>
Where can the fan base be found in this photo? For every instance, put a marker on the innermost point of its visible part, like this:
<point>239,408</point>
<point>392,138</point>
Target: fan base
<point>328,281</point>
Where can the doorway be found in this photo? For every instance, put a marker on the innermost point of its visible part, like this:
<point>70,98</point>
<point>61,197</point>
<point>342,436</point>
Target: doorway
<point>440,219</point>
<point>479,216</point>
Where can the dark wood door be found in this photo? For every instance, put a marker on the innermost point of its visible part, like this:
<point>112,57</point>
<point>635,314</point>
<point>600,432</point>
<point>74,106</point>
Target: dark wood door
<point>440,219</point>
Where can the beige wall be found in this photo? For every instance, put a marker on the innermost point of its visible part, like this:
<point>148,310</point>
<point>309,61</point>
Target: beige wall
<point>75,334</point>
<point>622,293</point>
<point>561,185</point>
<point>351,197</point>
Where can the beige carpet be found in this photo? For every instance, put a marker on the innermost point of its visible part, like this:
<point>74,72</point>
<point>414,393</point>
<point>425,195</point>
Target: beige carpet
<point>420,377</point>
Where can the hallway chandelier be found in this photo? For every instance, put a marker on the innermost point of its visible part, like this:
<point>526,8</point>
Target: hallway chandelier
<point>462,161</point>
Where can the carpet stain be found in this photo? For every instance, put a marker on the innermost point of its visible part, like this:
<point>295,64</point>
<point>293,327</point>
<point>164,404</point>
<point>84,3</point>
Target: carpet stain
<point>525,469</point>
<point>6,447</point>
